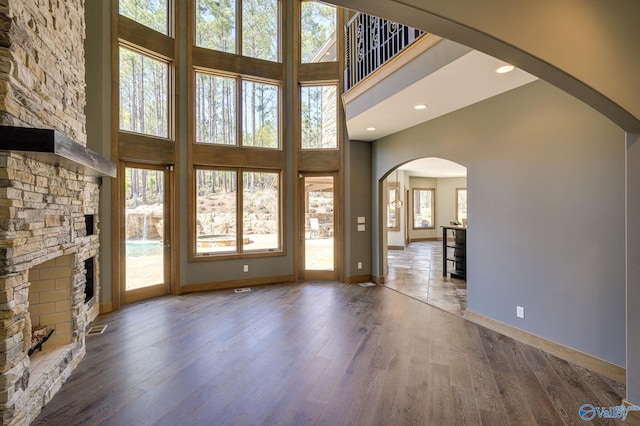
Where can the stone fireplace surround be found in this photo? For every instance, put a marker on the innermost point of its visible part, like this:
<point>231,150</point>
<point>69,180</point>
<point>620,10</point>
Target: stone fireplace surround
<point>49,186</point>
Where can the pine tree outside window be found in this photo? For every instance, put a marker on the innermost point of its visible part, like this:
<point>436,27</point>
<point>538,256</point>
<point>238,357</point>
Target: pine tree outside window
<point>150,13</point>
<point>215,109</point>
<point>256,35</point>
<point>144,94</point>
<point>318,115</point>
<point>318,32</point>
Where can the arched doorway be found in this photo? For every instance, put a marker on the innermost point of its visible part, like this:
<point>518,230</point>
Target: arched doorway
<point>419,198</point>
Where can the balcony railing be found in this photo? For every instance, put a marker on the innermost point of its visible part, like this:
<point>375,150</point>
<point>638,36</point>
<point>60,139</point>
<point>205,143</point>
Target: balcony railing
<point>370,42</point>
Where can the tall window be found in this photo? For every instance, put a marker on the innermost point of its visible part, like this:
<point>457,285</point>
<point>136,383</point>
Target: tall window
<point>218,27</point>
<point>260,114</point>
<point>318,32</point>
<point>261,211</point>
<point>144,94</point>
<point>216,214</point>
<point>423,208</point>
<point>215,109</point>
<point>318,115</point>
<point>260,33</point>
<point>216,121</point>
<point>218,203</point>
<point>151,13</point>
<point>393,209</point>
<point>461,205</point>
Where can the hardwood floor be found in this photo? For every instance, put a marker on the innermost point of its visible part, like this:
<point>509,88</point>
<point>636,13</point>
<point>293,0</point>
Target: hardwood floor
<point>315,353</point>
<point>417,272</point>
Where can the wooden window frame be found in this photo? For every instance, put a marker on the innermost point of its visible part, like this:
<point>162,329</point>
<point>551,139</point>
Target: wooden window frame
<point>338,21</point>
<point>238,110</point>
<point>238,157</point>
<point>170,19</point>
<point>170,89</point>
<point>337,112</point>
<point>239,32</point>
<point>239,252</point>
<point>433,209</point>
<point>132,147</point>
<point>395,187</point>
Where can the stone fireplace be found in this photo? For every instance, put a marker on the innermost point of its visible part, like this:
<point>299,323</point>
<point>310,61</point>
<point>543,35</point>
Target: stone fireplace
<point>48,253</point>
<point>49,200</point>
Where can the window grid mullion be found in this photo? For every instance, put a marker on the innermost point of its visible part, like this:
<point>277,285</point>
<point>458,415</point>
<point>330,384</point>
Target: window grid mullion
<point>239,27</point>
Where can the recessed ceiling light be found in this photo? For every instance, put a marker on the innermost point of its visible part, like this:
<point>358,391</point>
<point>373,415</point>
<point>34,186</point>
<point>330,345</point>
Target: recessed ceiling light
<point>420,106</point>
<point>505,69</point>
<point>371,129</point>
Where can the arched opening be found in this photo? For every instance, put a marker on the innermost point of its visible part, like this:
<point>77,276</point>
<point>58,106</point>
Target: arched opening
<point>419,198</point>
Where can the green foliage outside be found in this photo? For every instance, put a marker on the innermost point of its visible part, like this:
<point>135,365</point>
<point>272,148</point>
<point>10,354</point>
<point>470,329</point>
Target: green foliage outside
<point>318,113</point>
<point>144,94</point>
<point>318,27</point>
<point>152,13</point>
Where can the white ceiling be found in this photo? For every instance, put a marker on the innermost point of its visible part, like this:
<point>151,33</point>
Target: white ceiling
<point>434,167</point>
<point>465,81</point>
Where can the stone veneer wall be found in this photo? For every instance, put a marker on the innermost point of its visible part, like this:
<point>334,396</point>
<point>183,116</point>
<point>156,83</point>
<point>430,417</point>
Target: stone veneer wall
<point>42,207</point>
<point>42,216</point>
<point>42,65</point>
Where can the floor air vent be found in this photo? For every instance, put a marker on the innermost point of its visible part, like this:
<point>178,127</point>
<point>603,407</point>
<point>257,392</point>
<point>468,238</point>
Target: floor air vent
<point>242,290</point>
<point>99,329</point>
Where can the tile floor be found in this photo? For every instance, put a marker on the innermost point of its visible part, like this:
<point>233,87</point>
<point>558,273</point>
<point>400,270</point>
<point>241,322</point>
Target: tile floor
<point>416,272</point>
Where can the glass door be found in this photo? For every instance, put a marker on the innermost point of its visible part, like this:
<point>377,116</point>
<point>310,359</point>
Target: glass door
<point>146,233</point>
<point>318,251</point>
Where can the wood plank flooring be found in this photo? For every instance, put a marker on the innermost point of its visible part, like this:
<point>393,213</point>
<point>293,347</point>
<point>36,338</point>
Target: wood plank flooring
<point>319,354</point>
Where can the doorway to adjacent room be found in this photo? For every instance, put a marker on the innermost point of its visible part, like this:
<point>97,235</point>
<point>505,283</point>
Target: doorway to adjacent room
<point>419,197</point>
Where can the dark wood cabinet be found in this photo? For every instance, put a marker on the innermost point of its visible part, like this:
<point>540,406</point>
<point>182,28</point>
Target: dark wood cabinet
<point>454,251</point>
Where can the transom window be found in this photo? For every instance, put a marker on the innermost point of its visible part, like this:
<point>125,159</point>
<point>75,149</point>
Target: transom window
<point>423,208</point>
<point>151,13</point>
<point>318,32</point>
<point>216,111</point>
<point>256,34</point>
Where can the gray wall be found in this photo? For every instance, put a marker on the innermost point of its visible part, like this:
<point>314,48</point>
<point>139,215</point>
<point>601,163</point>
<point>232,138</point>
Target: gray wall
<point>546,212</point>
<point>98,111</point>
<point>357,204</point>
<point>633,267</point>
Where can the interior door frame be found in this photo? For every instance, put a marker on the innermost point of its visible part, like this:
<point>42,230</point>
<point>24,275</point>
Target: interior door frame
<point>304,273</point>
<point>132,296</point>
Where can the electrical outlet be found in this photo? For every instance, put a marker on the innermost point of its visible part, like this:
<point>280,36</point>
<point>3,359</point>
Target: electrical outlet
<point>520,311</point>
<point>359,265</point>
<point>246,268</point>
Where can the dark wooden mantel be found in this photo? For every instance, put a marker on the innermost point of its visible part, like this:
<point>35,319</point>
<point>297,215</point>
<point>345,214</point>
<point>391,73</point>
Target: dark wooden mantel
<point>55,148</point>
